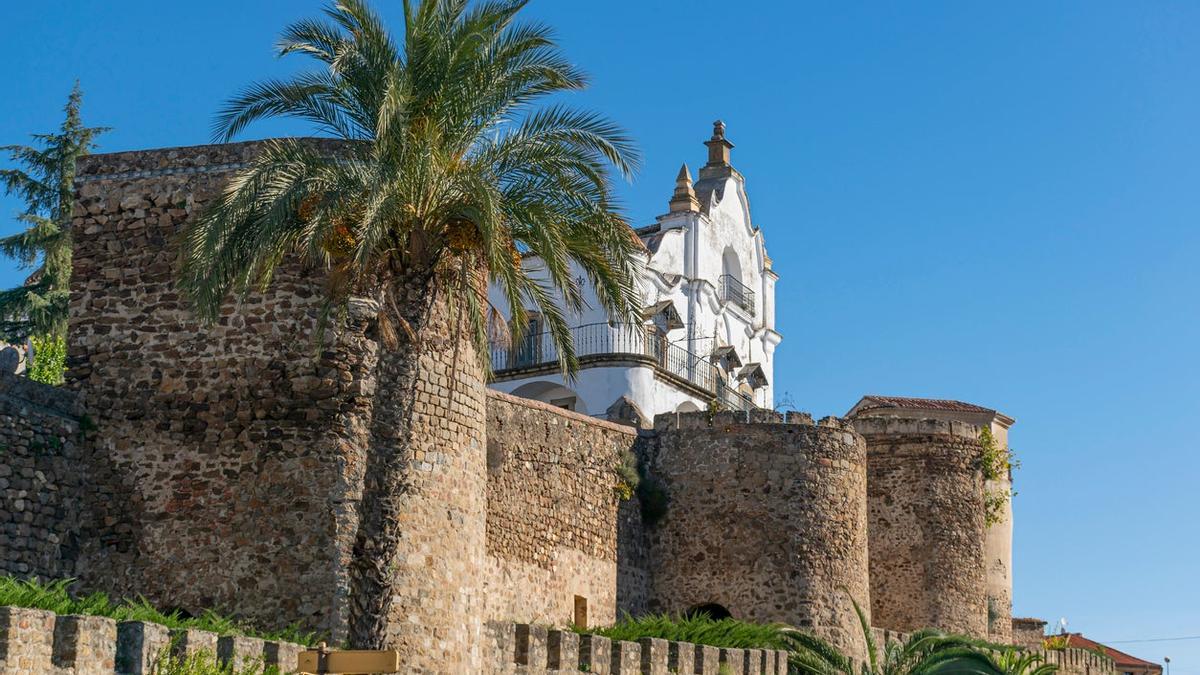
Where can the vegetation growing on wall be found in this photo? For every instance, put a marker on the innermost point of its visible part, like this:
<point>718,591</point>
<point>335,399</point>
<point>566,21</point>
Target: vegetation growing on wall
<point>628,476</point>
<point>205,663</point>
<point>997,464</point>
<point>56,597</point>
<point>49,359</point>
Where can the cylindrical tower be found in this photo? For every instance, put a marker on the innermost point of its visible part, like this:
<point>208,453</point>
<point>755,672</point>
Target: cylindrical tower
<point>927,524</point>
<point>765,520</point>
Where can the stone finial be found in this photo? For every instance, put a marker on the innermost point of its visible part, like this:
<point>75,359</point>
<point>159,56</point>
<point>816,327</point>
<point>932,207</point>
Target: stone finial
<point>718,146</point>
<point>684,200</point>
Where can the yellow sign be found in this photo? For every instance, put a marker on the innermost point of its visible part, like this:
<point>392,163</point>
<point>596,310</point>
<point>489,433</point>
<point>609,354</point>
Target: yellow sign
<point>349,663</point>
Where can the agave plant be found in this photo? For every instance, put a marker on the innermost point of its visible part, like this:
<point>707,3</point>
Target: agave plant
<point>449,171</point>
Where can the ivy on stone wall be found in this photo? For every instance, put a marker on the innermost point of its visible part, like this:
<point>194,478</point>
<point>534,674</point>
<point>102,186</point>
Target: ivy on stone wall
<point>997,464</point>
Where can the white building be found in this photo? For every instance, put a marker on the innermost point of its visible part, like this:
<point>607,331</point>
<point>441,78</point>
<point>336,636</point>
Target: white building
<point>708,335</point>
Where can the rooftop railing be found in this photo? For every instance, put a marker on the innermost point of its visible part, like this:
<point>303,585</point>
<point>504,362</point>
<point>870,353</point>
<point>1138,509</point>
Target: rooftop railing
<point>617,340</point>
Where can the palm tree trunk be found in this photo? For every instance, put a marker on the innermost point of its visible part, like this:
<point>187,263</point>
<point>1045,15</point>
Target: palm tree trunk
<point>418,554</point>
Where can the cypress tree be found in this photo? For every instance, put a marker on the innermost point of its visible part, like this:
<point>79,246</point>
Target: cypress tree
<point>44,177</point>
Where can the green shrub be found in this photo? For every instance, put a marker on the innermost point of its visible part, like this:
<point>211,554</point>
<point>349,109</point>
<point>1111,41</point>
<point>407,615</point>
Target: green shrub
<point>205,664</point>
<point>56,597</point>
<point>698,629</point>
<point>49,359</point>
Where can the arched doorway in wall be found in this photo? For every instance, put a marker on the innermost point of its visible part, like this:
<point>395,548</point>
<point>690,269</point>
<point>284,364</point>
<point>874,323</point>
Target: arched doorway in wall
<point>553,393</point>
<point>687,407</point>
<point>710,609</point>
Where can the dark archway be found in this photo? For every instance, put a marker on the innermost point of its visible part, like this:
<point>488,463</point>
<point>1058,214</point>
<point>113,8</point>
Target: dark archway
<point>712,610</point>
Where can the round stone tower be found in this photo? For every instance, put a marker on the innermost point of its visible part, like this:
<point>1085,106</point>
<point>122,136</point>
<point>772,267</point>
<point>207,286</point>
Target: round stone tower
<point>765,520</point>
<point>927,524</point>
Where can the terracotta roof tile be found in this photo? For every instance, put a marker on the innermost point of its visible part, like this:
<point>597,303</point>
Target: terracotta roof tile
<point>1078,641</point>
<point>922,404</point>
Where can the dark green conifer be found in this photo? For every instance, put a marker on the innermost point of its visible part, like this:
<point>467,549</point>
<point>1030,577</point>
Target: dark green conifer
<point>44,177</point>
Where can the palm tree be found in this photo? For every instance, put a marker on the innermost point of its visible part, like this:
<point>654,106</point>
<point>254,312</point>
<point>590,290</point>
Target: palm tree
<point>924,652</point>
<point>449,176</point>
<point>1015,661</point>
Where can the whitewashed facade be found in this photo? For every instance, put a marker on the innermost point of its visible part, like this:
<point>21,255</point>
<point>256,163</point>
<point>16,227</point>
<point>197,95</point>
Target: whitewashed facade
<point>708,335</point>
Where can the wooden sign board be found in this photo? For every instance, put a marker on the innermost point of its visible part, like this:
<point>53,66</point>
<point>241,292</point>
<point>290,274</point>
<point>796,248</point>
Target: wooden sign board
<point>350,663</point>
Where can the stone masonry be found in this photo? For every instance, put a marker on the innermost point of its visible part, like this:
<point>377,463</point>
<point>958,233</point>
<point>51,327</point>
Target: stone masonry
<point>220,451</point>
<point>40,484</point>
<point>766,519</point>
<point>553,525</point>
<point>926,525</point>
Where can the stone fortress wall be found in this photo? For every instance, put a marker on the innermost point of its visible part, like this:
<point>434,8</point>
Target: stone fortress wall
<point>223,466</point>
<point>765,519</point>
<point>926,524</point>
<point>236,448</point>
<point>40,485</point>
<point>554,525</point>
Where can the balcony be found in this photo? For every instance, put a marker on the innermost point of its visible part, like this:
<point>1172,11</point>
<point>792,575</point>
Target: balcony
<point>732,290</point>
<point>600,342</point>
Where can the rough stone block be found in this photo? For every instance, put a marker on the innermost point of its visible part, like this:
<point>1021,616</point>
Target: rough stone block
<point>139,646</point>
<point>531,645</point>
<point>595,654</point>
<point>562,647</point>
<point>753,662</point>
<point>26,641</point>
<point>284,655</point>
<point>240,652</point>
<point>188,641</point>
<point>85,644</point>
<point>681,657</point>
<point>708,660</point>
<point>781,663</point>
<point>734,661</point>
<point>655,656</point>
<point>626,658</point>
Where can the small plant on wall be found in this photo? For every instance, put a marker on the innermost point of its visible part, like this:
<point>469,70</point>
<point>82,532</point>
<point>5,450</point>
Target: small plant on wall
<point>628,477</point>
<point>997,463</point>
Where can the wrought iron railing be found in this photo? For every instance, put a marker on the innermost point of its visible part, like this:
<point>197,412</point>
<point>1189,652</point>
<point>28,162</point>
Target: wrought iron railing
<point>733,290</point>
<point>621,339</point>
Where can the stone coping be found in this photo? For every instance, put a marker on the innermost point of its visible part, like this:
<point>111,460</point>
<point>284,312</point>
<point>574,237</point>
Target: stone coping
<point>565,414</point>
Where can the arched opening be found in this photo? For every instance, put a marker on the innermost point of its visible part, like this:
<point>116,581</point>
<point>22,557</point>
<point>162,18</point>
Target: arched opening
<point>553,393</point>
<point>687,407</point>
<point>711,610</point>
<point>732,286</point>
<point>731,265</point>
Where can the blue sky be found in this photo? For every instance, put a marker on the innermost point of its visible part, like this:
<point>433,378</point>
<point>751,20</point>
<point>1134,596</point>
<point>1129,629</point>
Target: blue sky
<point>995,202</point>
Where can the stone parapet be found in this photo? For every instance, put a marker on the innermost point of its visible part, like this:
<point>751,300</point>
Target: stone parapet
<point>37,642</point>
<point>903,426</point>
<point>520,649</point>
<point>1077,661</point>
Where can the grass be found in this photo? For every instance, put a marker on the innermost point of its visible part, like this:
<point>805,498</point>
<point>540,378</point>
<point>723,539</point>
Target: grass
<point>205,664</point>
<point>56,597</point>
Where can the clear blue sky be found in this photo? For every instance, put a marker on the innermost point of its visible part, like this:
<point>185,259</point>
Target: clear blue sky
<point>995,202</point>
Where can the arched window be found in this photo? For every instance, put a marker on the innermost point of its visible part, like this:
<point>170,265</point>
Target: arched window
<point>732,285</point>
<point>731,266</point>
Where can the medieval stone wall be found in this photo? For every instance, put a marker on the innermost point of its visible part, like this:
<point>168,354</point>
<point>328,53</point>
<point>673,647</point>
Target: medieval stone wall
<point>926,525</point>
<point>768,520</point>
<point>227,459</point>
<point>554,525</point>
<point>41,479</point>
